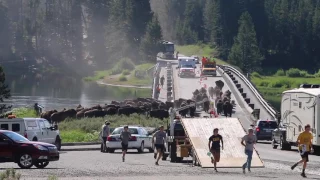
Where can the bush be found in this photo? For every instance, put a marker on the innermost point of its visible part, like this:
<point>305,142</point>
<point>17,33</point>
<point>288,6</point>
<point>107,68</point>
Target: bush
<point>293,72</point>
<point>10,174</point>
<point>24,112</point>
<point>123,64</point>
<point>125,72</point>
<point>280,72</point>
<point>263,83</point>
<point>281,83</point>
<point>256,75</point>
<point>317,74</point>
<point>122,78</point>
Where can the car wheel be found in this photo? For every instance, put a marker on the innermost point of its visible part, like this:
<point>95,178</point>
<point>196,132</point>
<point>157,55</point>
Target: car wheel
<point>141,149</point>
<point>273,144</point>
<point>58,143</point>
<point>151,150</point>
<point>41,165</point>
<point>25,161</point>
<point>111,150</point>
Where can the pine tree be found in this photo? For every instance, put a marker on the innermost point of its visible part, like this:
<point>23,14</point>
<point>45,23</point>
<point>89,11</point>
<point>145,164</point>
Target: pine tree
<point>245,52</point>
<point>151,43</point>
<point>5,41</point>
<point>4,91</point>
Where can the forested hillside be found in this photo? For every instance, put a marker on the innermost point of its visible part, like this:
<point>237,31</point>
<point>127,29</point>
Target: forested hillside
<point>273,34</point>
<point>87,35</point>
<point>77,34</point>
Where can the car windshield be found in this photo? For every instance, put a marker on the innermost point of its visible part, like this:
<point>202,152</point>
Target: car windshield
<point>119,130</point>
<point>187,66</point>
<point>268,124</point>
<point>15,137</point>
<point>209,66</point>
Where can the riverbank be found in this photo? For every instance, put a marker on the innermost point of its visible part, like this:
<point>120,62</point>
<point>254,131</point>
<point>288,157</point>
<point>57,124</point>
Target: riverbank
<point>88,129</point>
<point>124,73</point>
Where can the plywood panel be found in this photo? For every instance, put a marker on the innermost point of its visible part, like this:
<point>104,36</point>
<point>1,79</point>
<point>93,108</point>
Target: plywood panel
<point>200,129</point>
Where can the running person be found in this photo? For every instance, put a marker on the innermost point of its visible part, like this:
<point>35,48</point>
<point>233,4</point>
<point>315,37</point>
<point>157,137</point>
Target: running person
<point>160,136</point>
<point>125,136</point>
<point>162,80</point>
<point>250,139</point>
<point>215,148</point>
<point>304,142</point>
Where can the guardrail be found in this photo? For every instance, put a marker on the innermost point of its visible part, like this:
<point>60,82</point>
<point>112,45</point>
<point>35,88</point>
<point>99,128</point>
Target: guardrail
<point>264,103</point>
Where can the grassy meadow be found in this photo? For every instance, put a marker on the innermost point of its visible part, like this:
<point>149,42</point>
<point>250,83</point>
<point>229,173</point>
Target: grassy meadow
<point>271,87</point>
<point>125,72</point>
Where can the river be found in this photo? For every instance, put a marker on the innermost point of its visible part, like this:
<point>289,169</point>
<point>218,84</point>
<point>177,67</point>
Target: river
<point>60,92</point>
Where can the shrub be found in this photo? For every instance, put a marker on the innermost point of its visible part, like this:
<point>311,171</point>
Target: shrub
<point>10,174</point>
<point>294,72</point>
<point>125,72</point>
<point>317,74</point>
<point>263,83</point>
<point>53,178</point>
<point>280,72</point>
<point>280,83</point>
<point>122,78</point>
<point>121,65</point>
<point>256,75</point>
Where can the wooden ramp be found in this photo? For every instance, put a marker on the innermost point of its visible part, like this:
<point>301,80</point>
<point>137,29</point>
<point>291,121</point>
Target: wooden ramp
<point>200,129</point>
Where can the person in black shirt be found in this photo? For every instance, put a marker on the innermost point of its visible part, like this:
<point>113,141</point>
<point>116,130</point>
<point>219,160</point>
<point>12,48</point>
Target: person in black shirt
<point>215,147</point>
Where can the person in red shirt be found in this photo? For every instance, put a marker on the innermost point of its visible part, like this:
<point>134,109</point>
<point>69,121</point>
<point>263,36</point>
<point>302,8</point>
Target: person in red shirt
<point>203,59</point>
<point>213,113</point>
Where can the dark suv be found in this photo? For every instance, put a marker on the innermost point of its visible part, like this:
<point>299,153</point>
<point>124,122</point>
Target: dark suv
<point>16,148</point>
<point>264,128</point>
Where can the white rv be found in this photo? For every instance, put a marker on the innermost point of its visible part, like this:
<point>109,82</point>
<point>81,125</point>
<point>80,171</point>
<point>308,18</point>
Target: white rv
<point>299,107</point>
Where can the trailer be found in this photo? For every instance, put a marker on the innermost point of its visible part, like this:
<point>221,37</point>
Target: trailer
<point>197,132</point>
<point>209,67</point>
<point>299,107</point>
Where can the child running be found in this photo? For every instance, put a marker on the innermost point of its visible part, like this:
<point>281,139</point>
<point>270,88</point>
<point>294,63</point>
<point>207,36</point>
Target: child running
<point>215,147</point>
<point>125,136</point>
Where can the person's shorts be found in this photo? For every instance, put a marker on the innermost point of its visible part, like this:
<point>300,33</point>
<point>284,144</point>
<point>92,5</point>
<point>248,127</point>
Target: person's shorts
<point>216,154</point>
<point>124,146</point>
<point>159,147</point>
<point>305,155</point>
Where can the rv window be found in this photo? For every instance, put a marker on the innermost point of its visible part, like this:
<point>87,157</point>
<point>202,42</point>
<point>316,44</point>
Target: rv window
<point>4,126</point>
<point>16,127</point>
<point>32,124</point>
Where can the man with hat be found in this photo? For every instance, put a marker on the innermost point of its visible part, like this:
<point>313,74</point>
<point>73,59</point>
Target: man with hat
<point>250,139</point>
<point>104,134</point>
<point>160,137</point>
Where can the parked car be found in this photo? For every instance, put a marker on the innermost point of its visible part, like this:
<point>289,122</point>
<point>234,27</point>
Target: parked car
<point>18,149</point>
<point>35,129</point>
<point>140,139</point>
<point>278,137</point>
<point>263,129</point>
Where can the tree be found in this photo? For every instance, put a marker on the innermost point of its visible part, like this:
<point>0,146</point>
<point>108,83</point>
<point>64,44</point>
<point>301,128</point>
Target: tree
<point>4,92</point>
<point>5,44</point>
<point>245,52</point>
<point>151,43</point>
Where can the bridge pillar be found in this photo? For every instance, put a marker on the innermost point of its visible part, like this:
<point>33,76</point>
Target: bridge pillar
<point>233,78</point>
<point>244,95</point>
<point>238,86</point>
<point>256,113</point>
<point>235,81</point>
<point>240,90</point>
<point>251,105</point>
<point>247,100</point>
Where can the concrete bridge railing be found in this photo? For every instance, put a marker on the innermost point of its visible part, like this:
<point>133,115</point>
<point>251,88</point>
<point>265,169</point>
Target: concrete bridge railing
<point>156,77</point>
<point>234,72</point>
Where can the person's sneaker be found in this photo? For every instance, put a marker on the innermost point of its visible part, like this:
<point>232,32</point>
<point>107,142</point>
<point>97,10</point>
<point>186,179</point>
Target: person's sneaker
<point>249,170</point>
<point>303,175</point>
<point>243,170</point>
<point>292,167</point>
<point>155,156</point>
<point>122,159</point>
<point>157,163</point>
<point>216,170</point>
<point>212,160</point>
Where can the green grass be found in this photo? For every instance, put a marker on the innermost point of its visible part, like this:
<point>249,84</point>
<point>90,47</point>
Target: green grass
<point>24,112</point>
<point>271,87</point>
<point>98,75</point>
<point>88,129</point>
<point>200,50</point>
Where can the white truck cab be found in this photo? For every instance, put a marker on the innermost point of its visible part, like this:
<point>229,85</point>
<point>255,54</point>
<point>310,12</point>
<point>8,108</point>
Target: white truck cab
<point>34,129</point>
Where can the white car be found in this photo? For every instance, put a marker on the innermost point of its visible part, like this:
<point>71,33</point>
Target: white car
<point>34,129</point>
<point>140,139</point>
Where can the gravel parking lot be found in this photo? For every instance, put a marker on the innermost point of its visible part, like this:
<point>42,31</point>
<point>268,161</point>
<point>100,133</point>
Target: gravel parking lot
<point>97,165</point>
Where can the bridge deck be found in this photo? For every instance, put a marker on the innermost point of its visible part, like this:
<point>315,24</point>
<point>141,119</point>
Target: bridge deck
<point>200,129</point>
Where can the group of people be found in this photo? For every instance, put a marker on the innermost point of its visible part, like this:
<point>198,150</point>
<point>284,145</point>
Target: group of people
<point>304,143</point>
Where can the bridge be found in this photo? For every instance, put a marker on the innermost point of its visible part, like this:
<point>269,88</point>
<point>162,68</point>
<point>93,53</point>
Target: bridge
<point>250,106</point>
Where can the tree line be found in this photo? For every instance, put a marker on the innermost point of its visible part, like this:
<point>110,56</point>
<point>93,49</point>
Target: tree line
<point>252,34</point>
<point>78,33</point>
